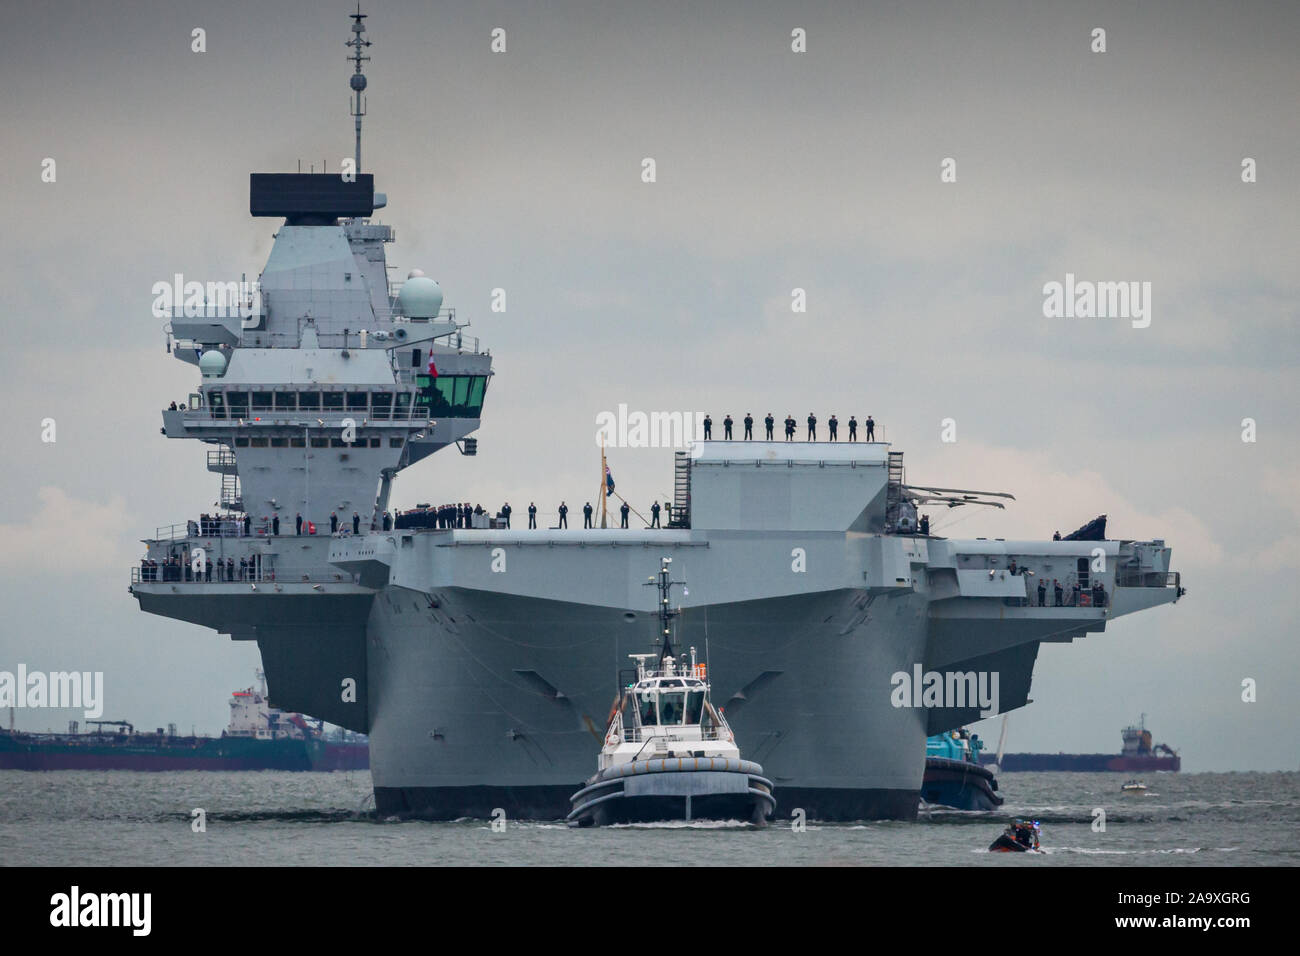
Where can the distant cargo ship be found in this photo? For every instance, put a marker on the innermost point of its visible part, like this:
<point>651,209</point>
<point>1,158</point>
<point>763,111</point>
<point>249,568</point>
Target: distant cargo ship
<point>259,737</point>
<point>1138,755</point>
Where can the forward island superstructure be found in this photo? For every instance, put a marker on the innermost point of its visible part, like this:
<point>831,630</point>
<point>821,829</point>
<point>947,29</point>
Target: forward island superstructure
<point>479,661</point>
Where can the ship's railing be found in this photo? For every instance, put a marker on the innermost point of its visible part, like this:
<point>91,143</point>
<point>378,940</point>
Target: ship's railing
<point>636,735</point>
<point>1068,598</point>
<point>212,528</point>
<point>383,413</point>
<point>221,459</point>
<point>1148,579</point>
<point>184,574</point>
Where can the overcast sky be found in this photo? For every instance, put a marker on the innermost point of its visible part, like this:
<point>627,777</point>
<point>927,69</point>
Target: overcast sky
<point>776,171</point>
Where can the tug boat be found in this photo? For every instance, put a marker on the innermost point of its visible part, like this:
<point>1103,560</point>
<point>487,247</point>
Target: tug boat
<point>1020,836</point>
<point>669,754</point>
<point>1133,787</point>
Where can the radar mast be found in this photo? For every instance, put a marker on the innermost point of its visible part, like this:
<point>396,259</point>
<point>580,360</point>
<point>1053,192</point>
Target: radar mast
<point>666,613</point>
<point>358,81</point>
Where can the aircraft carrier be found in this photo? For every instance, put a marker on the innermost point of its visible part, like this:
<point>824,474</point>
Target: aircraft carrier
<point>482,662</point>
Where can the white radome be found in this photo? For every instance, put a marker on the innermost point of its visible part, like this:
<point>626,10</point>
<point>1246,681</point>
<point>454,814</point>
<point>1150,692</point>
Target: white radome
<point>421,297</point>
<point>212,363</point>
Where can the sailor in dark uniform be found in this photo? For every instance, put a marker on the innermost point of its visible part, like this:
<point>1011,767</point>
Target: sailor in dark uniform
<point>833,424</point>
<point>871,428</point>
<point>726,428</point>
<point>853,428</point>
<point>749,426</point>
<point>708,428</point>
<point>1042,592</point>
<point>654,515</point>
<point>356,523</point>
<point>789,428</point>
<point>564,515</point>
<point>812,427</point>
<point>769,421</point>
<point>532,516</point>
<point>334,522</point>
<point>1057,591</point>
<point>275,525</point>
<point>623,511</point>
<point>505,513</point>
<point>586,515</point>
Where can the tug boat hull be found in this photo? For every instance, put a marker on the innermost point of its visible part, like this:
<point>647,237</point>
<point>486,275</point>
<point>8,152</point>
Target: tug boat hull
<point>675,788</point>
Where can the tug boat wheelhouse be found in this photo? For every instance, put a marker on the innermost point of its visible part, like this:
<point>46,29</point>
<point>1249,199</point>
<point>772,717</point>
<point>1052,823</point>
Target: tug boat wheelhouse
<point>669,754</point>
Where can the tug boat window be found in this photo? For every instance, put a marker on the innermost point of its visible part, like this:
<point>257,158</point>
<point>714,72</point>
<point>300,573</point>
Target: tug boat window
<point>647,705</point>
<point>694,706</point>
<point>672,707</point>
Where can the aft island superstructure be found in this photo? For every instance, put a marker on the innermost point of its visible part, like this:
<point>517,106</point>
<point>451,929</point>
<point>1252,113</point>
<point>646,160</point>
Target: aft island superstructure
<point>479,661</point>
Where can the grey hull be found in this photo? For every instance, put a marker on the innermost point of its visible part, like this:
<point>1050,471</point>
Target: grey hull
<point>493,701</point>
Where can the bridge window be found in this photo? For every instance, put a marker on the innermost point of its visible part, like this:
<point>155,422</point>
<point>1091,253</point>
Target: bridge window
<point>332,400</point>
<point>694,706</point>
<point>672,707</point>
<point>1083,572</point>
<point>320,443</point>
<point>297,443</point>
<point>286,401</point>
<point>459,396</point>
<point>258,442</point>
<point>262,401</point>
<point>646,703</point>
<point>309,401</point>
<point>357,401</point>
<point>382,403</point>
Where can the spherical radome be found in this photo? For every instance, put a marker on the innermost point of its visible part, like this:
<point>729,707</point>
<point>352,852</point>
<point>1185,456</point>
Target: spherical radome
<point>420,298</point>
<point>212,363</point>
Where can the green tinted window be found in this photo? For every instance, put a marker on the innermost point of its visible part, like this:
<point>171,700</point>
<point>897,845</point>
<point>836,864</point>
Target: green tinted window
<point>477,385</point>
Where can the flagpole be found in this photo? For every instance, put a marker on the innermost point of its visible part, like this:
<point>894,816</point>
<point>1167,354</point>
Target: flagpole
<point>604,491</point>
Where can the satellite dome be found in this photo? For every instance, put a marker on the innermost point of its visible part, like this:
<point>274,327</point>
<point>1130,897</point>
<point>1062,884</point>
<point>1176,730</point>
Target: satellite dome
<point>420,298</point>
<point>212,363</point>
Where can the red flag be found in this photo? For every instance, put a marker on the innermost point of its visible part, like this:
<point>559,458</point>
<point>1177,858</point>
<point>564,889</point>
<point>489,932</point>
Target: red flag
<point>433,369</point>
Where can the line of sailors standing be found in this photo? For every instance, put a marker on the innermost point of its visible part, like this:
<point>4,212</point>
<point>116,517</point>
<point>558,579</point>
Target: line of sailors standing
<point>769,424</point>
<point>176,568</point>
